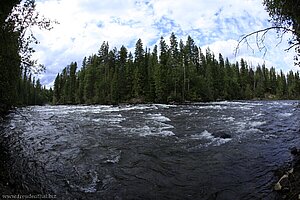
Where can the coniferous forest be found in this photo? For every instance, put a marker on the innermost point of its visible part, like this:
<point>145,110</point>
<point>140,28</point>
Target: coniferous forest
<point>175,72</point>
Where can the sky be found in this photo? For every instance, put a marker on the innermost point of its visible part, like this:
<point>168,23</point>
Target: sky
<point>217,24</point>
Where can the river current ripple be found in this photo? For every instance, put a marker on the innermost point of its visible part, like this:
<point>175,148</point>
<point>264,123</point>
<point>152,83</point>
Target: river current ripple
<point>220,150</point>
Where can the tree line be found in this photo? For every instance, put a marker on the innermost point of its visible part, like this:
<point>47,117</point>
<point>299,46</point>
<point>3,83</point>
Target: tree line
<point>174,72</point>
<point>177,72</point>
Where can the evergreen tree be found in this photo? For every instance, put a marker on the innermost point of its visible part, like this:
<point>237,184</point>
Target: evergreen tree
<point>57,90</point>
<point>90,80</point>
<point>152,80</point>
<point>80,83</point>
<point>121,71</point>
<point>259,84</point>
<point>129,76</point>
<point>174,64</point>
<point>139,70</point>
<point>73,68</point>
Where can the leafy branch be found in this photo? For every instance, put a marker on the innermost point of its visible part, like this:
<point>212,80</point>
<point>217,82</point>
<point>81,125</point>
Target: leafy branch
<point>23,18</point>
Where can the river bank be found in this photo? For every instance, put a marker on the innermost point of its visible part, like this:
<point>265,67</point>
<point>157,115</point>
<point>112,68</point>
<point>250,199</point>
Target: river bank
<point>290,186</point>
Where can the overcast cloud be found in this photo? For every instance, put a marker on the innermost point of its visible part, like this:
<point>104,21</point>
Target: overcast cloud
<point>217,24</point>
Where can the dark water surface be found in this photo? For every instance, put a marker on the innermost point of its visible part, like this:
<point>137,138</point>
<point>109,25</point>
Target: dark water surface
<point>222,150</point>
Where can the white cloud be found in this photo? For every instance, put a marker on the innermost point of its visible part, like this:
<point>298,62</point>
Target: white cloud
<point>85,24</point>
<point>226,48</point>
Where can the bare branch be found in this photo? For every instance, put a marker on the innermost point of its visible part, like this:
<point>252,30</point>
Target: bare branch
<point>292,46</point>
<point>260,40</point>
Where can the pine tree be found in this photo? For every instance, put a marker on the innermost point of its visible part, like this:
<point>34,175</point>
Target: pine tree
<point>121,70</point>
<point>80,83</point>
<point>174,63</point>
<point>90,80</point>
<point>243,78</point>
<point>291,85</point>
<point>152,67</point>
<point>221,78</point>
<point>273,81</point>
<point>129,76</point>
<point>139,70</point>
<point>161,81</point>
<point>73,68</point>
<point>57,92</point>
<point>259,83</point>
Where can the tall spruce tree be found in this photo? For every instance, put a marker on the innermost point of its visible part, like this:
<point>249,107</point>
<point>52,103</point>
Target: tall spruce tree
<point>139,70</point>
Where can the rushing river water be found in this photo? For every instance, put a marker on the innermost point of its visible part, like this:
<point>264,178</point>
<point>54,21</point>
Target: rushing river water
<point>222,150</point>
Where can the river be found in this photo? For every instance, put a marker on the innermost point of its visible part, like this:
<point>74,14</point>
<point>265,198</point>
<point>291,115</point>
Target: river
<point>219,150</point>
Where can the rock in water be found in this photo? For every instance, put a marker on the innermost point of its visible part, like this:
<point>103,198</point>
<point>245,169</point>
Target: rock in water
<point>277,186</point>
<point>294,151</point>
<point>222,135</point>
<point>283,184</point>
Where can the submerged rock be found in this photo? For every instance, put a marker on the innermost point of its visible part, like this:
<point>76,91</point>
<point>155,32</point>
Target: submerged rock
<point>222,135</point>
<point>295,151</point>
<point>284,184</point>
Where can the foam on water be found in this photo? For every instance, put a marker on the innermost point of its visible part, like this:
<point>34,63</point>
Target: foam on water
<point>268,136</point>
<point>158,117</point>
<point>88,182</point>
<point>258,114</point>
<point>137,107</point>
<point>253,130</point>
<point>61,109</point>
<point>204,135</point>
<point>152,131</point>
<point>213,107</point>
<point>237,103</point>
<point>91,188</point>
<point>112,120</point>
<point>257,123</point>
<point>76,109</point>
<point>285,114</point>
<point>280,103</point>
<point>113,160</point>
<point>166,133</point>
<point>246,126</point>
<point>230,119</point>
<point>165,106</point>
<point>212,140</point>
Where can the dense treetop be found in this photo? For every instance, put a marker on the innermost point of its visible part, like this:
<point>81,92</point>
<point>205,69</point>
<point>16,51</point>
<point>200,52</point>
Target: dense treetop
<point>178,72</point>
